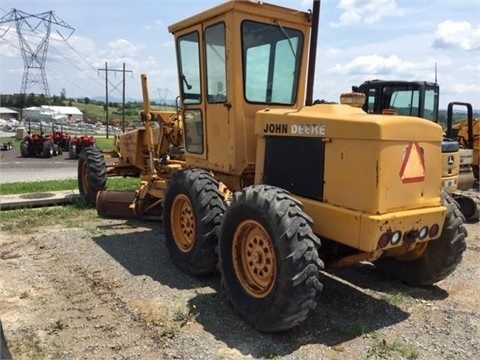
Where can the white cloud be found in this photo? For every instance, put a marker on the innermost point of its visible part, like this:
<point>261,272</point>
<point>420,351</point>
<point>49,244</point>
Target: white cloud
<point>122,48</point>
<point>331,52</point>
<point>367,11</point>
<point>457,34</point>
<point>373,65</point>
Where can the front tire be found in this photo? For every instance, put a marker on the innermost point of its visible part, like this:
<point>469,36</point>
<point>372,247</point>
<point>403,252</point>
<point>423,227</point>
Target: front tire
<point>439,258</point>
<point>92,174</point>
<point>47,149</point>
<point>268,258</point>
<point>57,149</point>
<point>192,212</point>
<point>72,151</point>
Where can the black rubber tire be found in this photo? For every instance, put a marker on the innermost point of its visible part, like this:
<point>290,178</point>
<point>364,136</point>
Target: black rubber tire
<point>47,149</point>
<point>440,258</point>
<point>205,208</point>
<point>72,151</point>
<point>92,174</point>
<point>4,351</point>
<point>296,282</point>
<point>24,151</point>
<point>468,207</point>
<point>57,150</point>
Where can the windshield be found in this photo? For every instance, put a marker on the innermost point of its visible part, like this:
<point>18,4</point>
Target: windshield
<point>271,62</point>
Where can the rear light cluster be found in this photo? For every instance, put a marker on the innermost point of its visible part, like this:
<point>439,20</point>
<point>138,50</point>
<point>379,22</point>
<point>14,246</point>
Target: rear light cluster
<point>393,237</point>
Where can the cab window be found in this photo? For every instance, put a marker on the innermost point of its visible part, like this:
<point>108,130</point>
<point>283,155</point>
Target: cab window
<point>271,62</point>
<point>189,68</point>
<point>216,64</point>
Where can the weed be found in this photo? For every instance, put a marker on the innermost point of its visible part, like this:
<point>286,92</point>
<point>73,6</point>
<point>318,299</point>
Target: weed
<point>395,298</point>
<point>385,350</point>
<point>352,331</point>
<point>28,347</point>
<point>96,231</point>
<point>56,327</point>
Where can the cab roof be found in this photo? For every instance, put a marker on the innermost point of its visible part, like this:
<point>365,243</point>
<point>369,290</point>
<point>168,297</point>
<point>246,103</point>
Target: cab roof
<point>254,7</point>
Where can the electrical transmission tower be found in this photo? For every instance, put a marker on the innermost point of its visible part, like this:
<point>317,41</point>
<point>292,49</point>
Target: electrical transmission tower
<point>28,27</point>
<point>163,94</point>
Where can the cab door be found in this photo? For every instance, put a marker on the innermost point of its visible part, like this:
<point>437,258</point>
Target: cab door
<point>202,68</point>
<point>220,148</point>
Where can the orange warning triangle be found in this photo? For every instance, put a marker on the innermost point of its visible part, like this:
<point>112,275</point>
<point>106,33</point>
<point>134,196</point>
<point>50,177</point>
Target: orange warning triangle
<point>413,166</point>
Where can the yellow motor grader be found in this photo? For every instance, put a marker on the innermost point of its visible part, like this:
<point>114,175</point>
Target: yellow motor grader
<point>253,180</point>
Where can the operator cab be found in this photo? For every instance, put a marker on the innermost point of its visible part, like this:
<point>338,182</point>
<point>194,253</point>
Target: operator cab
<point>409,98</point>
<point>234,60</point>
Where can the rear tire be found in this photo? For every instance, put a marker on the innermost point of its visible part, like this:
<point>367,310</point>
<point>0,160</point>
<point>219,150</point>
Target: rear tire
<point>268,258</point>
<point>24,150</point>
<point>192,212</point>
<point>468,207</point>
<point>440,257</point>
<point>92,174</point>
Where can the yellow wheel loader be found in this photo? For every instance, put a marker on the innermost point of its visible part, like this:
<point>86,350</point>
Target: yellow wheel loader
<point>467,133</point>
<point>253,180</point>
<point>420,99</point>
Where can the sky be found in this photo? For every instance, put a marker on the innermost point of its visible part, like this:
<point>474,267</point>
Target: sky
<point>358,40</point>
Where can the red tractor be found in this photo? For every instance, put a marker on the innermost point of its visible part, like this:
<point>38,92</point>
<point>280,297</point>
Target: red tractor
<point>77,144</point>
<point>62,140</point>
<point>39,145</point>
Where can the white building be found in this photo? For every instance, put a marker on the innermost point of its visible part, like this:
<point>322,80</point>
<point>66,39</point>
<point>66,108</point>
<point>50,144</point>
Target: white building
<point>7,114</point>
<point>53,114</point>
<point>8,118</point>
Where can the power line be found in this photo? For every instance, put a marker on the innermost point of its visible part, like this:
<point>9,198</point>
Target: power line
<point>55,73</point>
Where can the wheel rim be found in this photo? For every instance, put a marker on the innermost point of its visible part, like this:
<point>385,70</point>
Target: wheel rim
<point>183,223</point>
<point>254,259</point>
<point>85,176</point>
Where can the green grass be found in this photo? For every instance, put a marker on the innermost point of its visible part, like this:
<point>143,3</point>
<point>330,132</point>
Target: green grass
<point>29,220</point>
<point>13,140</point>
<point>104,143</point>
<point>114,184</point>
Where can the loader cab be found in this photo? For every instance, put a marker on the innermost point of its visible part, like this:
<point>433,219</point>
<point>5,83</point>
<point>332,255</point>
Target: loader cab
<point>234,60</point>
<point>410,98</point>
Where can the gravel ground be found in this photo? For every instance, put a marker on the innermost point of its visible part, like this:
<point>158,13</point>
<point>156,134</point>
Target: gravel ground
<point>107,290</point>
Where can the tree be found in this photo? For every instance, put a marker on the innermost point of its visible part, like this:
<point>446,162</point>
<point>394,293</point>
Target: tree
<point>63,94</point>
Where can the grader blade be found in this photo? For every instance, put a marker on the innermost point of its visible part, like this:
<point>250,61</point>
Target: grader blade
<point>115,204</point>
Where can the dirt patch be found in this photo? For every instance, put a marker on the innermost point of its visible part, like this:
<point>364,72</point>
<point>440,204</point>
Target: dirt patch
<point>109,291</point>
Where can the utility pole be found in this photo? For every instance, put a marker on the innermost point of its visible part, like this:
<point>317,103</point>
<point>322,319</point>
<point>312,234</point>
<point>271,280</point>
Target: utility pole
<point>106,93</point>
